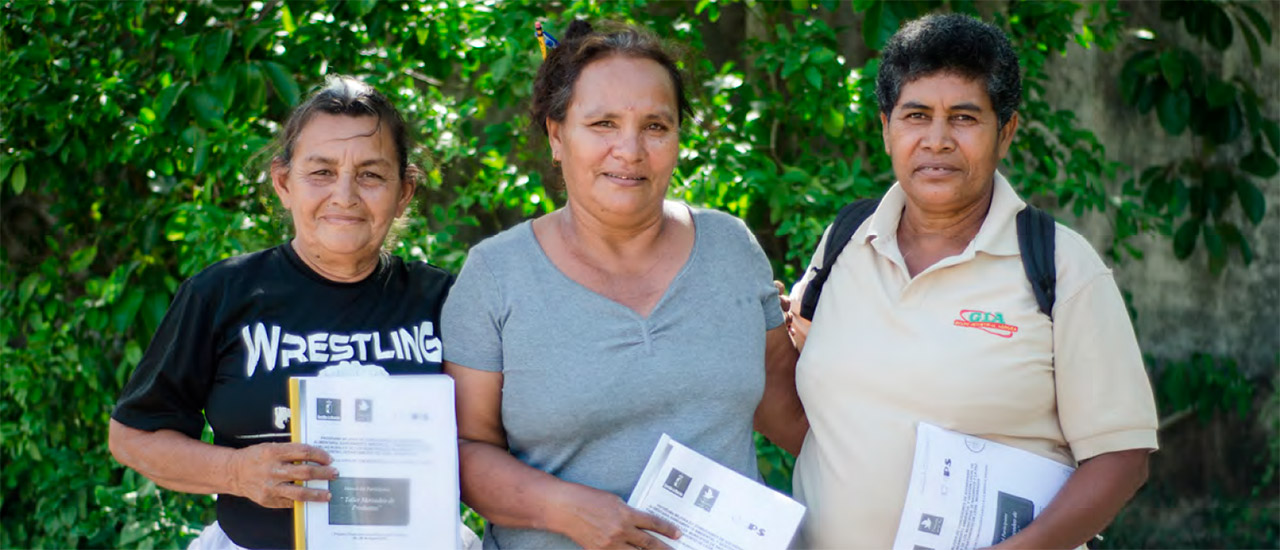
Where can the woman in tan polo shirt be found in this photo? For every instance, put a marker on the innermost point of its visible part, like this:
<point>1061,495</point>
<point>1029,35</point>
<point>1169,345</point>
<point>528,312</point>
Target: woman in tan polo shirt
<point>885,352</point>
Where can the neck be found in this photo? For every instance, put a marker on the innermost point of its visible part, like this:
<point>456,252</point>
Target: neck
<point>339,268</point>
<point>954,226</point>
<point>611,240</point>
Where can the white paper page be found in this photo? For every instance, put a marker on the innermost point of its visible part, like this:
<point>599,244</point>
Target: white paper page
<point>967,492</point>
<point>714,507</point>
<point>394,443</point>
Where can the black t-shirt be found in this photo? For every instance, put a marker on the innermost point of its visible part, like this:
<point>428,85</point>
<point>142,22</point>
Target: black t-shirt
<point>238,330</point>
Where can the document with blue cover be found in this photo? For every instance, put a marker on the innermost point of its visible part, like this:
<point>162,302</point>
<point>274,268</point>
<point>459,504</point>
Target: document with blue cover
<point>714,507</point>
<point>393,440</point>
<point>967,492</point>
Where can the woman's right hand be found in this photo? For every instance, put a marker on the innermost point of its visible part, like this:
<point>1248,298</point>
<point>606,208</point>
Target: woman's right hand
<point>597,519</point>
<point>265,473</point>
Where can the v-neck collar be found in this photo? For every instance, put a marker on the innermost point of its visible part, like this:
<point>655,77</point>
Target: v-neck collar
<point>527,229</point>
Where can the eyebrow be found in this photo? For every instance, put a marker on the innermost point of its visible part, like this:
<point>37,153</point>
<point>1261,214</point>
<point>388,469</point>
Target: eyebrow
<point>663,115</point>
<point>328,161</point>
<point>966,106</point>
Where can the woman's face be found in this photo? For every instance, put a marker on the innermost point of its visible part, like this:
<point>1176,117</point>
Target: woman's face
<point>620,137</point>
<point>343,187</point>
<point>945,141</point>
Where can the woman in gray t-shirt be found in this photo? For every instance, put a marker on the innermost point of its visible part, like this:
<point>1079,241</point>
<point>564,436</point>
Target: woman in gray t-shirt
<point>579,338</point>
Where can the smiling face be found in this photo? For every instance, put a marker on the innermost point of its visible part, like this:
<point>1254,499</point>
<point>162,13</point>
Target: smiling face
<point>620,138</point>
<point>945,142</point>
<point>342,189</point>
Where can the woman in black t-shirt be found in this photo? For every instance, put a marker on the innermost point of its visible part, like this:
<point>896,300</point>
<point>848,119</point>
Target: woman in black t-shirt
<point>237,331</point>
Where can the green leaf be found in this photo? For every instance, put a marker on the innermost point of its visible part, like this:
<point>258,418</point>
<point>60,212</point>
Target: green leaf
<point>206,106</point>
<point>1255,17</point>
<point>1251,199</point>
<point>1271,130</point>
<point>813,76</point>
<point>146,115</point>
<point>167,98</point>
<point>1232,237</point>
<point>251,36</point>
<point>199,153</point>
<point>185,51</point>
<point>286,18</point>
<point>1172,67</point>
<point>254,90</point>
<point>878,24</point>
<point>1219,93</point>
<point>282,81</point>
<point>1218,26</point>
<point>1214,246</point>
<point>216,46</point>
<point>18,179</point>
<point>1259,164</point>
<point>81,259</point>
<point>833,123</point>
<point>27,288</point>
<point>1184,241</point>
<point>1174,110</point>
<point>1255,50</point>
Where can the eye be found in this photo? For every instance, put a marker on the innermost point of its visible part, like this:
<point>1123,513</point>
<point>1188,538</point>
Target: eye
<point>322,172</point>
<point>373,175</point>
<point>964,118</point>
<point>657,127</point>
<point>604,124</point>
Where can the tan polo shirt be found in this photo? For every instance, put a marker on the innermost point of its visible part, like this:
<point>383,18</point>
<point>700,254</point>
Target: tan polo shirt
<point>964,346</point>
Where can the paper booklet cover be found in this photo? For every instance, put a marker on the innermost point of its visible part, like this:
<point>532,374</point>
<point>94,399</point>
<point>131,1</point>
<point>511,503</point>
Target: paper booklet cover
<point>714,507</point>
<point>968,492</point>
<point>394,442</point>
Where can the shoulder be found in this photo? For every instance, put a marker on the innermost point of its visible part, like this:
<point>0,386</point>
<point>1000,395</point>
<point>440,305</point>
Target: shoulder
<point>235,269</point>
<point>1077,263</point>
<point>421,272</point>
<point>722,228</point>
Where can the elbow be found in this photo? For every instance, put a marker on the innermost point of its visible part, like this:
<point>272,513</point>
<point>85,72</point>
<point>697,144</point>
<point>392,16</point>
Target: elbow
<point>119,441</point>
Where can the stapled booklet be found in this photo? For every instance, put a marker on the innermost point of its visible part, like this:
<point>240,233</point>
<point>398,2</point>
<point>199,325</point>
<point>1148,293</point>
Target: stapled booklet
<point>393,440</point>
<point>967,492</point>
<point>714,507</point>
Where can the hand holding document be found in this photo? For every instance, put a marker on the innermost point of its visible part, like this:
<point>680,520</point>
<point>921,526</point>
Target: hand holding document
<point>394,443</point>
<point>967,492</point>
<point>715,508</point>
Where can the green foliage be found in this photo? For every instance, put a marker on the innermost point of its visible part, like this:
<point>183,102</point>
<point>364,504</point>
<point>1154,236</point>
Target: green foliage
<point>1224,116</point>
<point>137,134</point>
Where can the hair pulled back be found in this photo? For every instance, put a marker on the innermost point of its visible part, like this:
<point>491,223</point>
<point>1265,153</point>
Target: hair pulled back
<point>582,45</point>
<point>346,96</point>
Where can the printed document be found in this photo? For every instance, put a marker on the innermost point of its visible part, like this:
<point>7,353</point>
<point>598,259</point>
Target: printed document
<point>714,507</point>
<point>394,442</point>
<point>967,492</point>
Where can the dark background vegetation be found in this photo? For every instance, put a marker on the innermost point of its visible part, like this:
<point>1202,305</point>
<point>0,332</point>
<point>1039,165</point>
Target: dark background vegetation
<point>135,142</point>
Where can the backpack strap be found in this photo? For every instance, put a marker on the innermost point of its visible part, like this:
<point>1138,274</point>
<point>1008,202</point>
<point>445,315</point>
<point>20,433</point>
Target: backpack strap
<point>847,223</point>
<point>1036,243</point>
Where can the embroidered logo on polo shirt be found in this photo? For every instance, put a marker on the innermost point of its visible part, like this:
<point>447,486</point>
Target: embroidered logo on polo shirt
<point>986,321</point>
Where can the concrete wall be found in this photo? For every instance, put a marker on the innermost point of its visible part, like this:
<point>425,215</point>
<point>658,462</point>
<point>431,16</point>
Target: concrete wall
<point>1182,307</point>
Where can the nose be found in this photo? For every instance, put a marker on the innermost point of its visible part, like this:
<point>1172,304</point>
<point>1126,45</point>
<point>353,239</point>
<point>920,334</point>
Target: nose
<point>628,146</point>
<point>938,138</point>
<point>345,193</point>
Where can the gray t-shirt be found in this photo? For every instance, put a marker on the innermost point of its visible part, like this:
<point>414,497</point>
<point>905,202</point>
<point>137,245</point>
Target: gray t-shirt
<point>589,385</point>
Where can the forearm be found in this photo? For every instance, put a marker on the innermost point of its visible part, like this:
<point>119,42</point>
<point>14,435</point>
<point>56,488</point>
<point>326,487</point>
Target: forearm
<point>505,490</point>
<point>172,460</point>
<point>1087,503</point>
<point>780,416</point>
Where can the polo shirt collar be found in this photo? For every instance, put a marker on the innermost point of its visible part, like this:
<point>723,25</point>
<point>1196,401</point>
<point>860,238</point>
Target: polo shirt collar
<point>997,236</point>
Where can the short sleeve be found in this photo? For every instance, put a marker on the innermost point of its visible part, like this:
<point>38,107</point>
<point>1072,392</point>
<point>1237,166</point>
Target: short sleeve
<point>171,385</point>
<point>761,274</point>
<point>1104,396</point>
<point>471,323</point>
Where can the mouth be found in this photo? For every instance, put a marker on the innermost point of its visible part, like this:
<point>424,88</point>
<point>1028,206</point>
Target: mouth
<point>626,179</point>
<point>339,219</point>
<point>936,169</point>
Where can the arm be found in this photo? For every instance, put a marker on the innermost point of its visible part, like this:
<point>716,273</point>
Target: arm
<point>1090,499</point>
<point>263,473</point>
<point>508,492</point>
<point>780,415</point>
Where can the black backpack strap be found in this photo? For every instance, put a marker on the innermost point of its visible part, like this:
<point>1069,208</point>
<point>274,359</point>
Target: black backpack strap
<point>1036,242</point>
<point>847,223</point>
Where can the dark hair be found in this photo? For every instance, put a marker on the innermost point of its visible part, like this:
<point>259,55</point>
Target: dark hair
<point>553,87</point>
<point>346,96</point>
<point>954,44</point>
